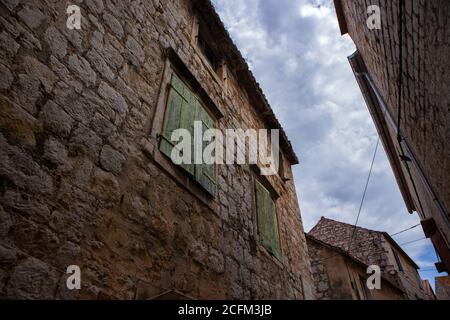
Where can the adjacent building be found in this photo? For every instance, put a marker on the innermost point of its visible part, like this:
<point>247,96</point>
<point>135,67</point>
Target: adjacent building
<point>402,70</point>
<point>339,276</point>
<point>340,273</point>
<point>428,289</point>
<point>442,286</point>
<point>86,177</point>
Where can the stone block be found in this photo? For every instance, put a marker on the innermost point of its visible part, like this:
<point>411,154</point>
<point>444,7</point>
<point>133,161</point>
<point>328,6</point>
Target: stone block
<point>111,160</point>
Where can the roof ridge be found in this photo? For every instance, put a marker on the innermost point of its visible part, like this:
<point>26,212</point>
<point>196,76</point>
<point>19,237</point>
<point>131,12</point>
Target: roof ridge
<point>349,224</point>
<point>344,224</point>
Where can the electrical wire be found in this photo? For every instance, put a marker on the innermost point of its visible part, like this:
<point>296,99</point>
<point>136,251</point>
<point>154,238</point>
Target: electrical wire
<point>405,243</point>
<point>364,194</point>
<point>414,226</point>
<point>361,203</point>
<point>426,270</point>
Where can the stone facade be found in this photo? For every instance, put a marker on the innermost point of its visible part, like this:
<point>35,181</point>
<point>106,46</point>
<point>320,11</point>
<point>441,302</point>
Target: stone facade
<point>330,240</point>
<point>322,283</point>
<point>82,181</point>
<point>421,161</point>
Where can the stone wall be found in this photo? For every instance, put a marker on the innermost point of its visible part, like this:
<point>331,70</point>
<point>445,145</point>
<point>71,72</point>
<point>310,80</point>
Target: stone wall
<point>425,116</point>
<point>79,186</point>
<point>317,254</point>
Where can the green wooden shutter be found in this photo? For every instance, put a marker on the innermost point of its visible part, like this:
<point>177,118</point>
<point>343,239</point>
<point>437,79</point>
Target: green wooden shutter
<point>205,174</point>
<point>267,221</point>
<point>183,108</point>
<point>179,114</point>
<point>188,114</point>
<point>261,214</point>
<point>274,236</point>
<point>180,87</point>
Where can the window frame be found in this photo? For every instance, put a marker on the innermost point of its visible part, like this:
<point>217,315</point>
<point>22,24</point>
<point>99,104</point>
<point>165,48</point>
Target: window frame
<point>398,261</point>
<point>283,170</point>
<point>361,288</point>
<point>150,147</point>
<point>217,70</point>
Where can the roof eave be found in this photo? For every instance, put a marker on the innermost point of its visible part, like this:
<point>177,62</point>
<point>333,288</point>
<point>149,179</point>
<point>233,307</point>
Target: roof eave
<point>341,16</point>
<point>358,67</point>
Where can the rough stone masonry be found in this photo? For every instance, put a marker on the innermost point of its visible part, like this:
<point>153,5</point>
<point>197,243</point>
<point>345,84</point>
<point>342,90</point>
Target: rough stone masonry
<point>80,182</point>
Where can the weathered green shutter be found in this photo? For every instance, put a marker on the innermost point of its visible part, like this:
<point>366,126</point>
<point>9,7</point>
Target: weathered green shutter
<point>180,87</point>
<point>183,108</point>
<point>205,172</point>
<point>264,219</point>
<point>188,114</point>
<point>267,221</point>
<point>274,236</point>
<point>261,211</point>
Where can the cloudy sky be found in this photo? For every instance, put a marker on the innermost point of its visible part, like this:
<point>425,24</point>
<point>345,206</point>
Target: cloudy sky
<point>296,52</point>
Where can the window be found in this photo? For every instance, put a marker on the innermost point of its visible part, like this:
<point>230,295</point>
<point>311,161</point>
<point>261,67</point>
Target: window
<point>207,51</point>
<point>182,109</point>
<point>364,294</point>
<point>267,221</point>
<point>283,170</point>
<point>397,260</point>
<point>204,40</point>
<point>419,279</point>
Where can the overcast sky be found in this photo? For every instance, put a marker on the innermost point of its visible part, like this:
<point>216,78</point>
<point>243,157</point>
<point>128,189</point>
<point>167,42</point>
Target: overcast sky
<point>295,51</point>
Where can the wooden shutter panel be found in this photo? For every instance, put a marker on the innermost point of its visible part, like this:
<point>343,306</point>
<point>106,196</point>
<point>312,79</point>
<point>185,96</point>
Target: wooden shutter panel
<point>262,217</point>
<point>171,122</point>
<point>181,88</point>
<point>274,236</point>
<point>205,174</point>
<point>267,221</point>
<point>188,114</point>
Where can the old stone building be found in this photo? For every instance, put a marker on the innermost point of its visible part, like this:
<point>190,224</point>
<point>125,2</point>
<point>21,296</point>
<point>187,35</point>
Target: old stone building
<point>341,273</point>
<point>85,122</point>
<point>402,69</point>
<point>339,276</point>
